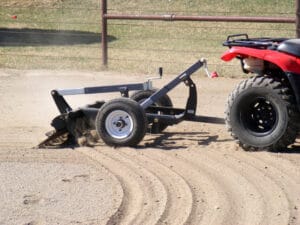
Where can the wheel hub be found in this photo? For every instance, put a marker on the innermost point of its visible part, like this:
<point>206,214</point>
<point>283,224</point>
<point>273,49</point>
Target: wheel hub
<point>260,116</point>
<point>119,124</point>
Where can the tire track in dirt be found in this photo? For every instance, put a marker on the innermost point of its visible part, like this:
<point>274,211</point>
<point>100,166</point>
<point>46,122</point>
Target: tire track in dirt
<point>220,203</point>
<point>154,194</point>
<point>277,203</point>
<point>202,185</point>
<point>219,188</point>
<point>144,197</point>
<point>284,173</point>
<point>180,199</point>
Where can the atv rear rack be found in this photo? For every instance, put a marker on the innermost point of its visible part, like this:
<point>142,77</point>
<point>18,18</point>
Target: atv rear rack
<point>243,40</point>
<point>120,114</point>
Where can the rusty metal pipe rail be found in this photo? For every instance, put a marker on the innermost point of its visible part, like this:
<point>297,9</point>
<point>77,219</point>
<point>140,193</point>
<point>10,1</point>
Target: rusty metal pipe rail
<point>174,17</point>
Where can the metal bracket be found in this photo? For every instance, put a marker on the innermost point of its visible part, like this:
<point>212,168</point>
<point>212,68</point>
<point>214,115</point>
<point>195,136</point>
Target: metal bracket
<point>204,61</point>
<point>172,84</point>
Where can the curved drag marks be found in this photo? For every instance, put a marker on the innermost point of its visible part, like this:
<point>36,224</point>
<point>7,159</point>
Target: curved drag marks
<point>284,173</point>
<point>217,198</point>
<point>202,186</point>
<point>180,197</point>
<point>279,189</point>
<point>209,185</point>
<point>144,194</point>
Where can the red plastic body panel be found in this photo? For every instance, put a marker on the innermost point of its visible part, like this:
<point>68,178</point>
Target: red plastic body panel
<point>287,63</point>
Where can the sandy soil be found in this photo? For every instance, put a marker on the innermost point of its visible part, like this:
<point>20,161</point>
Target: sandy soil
<point>193,173</point>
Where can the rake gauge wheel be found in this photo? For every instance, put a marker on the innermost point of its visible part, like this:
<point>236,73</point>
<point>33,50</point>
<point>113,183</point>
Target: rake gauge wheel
<point>121,122</point>
<point>164,101</point>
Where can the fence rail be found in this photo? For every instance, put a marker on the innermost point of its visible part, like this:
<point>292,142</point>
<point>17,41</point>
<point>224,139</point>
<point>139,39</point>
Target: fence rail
<point>130,36</point>
<point>174,17</point>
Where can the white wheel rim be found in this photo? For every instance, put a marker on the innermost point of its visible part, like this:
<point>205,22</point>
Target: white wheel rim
<point>118,124</point>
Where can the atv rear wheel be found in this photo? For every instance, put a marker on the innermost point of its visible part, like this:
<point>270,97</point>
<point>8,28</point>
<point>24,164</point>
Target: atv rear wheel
<point>164,101</point>
<point>261,114</point>
<point>121,122</point>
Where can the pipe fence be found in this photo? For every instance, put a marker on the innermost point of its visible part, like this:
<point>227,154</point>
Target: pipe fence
<point>130,35</point>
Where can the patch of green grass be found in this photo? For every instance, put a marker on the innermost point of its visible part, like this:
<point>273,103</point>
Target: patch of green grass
<point>207,7</point>
<point>135,46</point>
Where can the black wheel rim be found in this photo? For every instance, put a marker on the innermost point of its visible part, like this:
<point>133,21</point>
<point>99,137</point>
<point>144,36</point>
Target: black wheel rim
<point>259,117</point>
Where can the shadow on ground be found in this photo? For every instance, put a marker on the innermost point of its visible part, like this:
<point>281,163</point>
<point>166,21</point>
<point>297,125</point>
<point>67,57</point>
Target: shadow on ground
<point>182,140</point>
<point>293,149</point>
<point>41,37</point>
<point>179,140</point>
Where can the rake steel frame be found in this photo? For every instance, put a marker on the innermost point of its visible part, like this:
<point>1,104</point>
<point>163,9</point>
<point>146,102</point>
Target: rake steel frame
<point>77,122</point>
<point>170,115</point>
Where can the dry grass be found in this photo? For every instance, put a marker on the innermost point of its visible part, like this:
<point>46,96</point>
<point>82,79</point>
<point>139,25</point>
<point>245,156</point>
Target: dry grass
<point>29,3</point>
<point>137,46</point>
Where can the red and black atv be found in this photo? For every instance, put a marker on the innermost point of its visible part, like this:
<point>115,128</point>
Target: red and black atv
<point>263,111</point>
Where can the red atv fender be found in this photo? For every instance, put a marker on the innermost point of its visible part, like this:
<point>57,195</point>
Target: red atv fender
<point>287,63</point>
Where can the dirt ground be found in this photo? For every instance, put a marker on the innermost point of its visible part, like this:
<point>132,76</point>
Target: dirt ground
<point>193,173</point>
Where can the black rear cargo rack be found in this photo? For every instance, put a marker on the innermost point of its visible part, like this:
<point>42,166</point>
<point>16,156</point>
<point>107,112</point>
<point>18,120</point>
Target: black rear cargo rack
<point>243,40</point>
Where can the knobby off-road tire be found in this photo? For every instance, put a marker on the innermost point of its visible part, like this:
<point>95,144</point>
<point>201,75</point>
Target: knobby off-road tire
<point>261,114</point>
<point>164,101</point>
<point>121,122</point>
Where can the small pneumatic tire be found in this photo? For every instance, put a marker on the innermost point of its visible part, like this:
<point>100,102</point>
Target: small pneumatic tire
<point>121,122</point>
<point>164,101</point>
